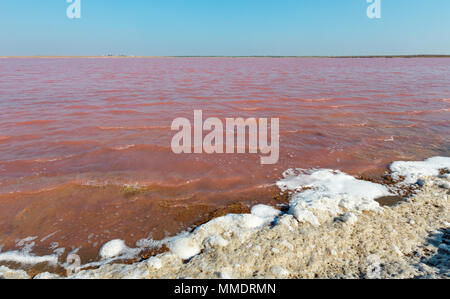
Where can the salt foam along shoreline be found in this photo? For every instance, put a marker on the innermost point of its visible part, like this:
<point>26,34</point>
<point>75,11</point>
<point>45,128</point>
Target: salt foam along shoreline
<point>320,199</point>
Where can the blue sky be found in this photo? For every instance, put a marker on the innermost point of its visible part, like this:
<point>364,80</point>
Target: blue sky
<point>224,27</point>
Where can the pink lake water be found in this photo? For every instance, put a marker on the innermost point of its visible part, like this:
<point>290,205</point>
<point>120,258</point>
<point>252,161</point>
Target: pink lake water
<point>75,131</point>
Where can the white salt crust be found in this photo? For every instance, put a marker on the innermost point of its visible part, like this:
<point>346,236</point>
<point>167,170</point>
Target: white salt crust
<point>412,171</point>
<point>333,221</point>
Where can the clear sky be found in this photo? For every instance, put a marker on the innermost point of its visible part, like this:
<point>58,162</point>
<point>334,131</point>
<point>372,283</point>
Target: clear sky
<point>224,27</point>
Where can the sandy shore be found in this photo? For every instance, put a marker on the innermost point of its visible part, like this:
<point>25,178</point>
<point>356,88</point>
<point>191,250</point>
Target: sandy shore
<point>408,240</point>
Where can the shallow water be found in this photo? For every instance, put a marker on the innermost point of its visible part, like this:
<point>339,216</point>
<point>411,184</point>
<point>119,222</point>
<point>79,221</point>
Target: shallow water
<point>74,132</point>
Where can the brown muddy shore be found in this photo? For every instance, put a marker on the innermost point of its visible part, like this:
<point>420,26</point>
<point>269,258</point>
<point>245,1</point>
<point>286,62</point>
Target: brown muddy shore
<point>407,240</point>
<point>68,215</point>
<point>86,217</point>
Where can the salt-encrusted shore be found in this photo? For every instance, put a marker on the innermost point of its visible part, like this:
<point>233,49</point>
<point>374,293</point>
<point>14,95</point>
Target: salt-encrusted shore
<point>409,240</point>
<point>333,239</point>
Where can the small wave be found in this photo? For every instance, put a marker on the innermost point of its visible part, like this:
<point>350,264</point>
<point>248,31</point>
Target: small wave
<point>24,255</point>
<point>122,112</point>
<point>352,125</point>
<point>105,183</point>
<point>28,259</point>
<point>169,103</point>
<point>172,184</point>
<point>74,142</point>
<point>251,109</point>
<point>247,101</point>
<point>398,126</point>
<point>49,236</point>
<point>137,128</point>
<point>35,122</point>
<point>46,160</point>
<point>256,101</point>
<point>123,147</point>
<point>84,107</point>
<point>78,114</point>
<point>414,112</point>
<point>317,100</point>
<point>143,147</point>
<point>384,139</point>
<point>41,103</point>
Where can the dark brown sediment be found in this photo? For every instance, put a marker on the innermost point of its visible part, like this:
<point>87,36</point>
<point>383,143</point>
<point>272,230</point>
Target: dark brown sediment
<point>389,200</point>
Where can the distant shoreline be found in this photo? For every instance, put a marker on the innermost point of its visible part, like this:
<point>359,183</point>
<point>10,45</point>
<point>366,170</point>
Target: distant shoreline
<point>256,56</point>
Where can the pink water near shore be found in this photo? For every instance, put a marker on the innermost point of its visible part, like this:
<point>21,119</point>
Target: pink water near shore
<point>102,122</point>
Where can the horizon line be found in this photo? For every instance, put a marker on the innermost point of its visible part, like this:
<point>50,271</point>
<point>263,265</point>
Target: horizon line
<point>232,56</point>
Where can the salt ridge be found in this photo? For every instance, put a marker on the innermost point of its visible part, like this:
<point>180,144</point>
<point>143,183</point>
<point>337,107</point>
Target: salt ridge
<point>412,171</point>
<point>318,194</point>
